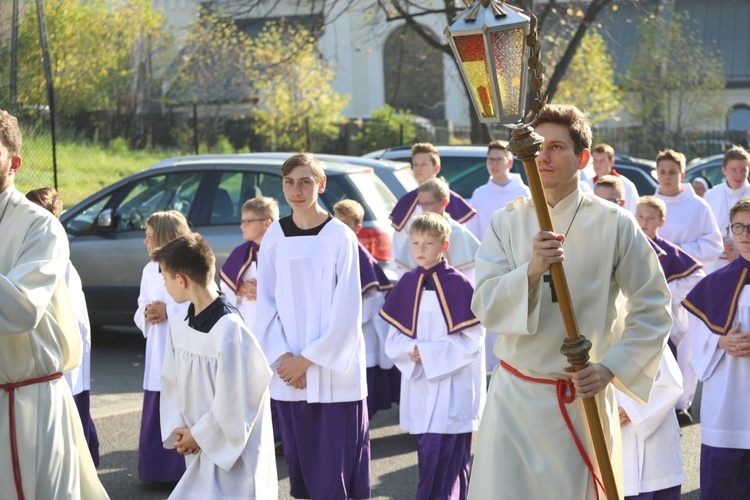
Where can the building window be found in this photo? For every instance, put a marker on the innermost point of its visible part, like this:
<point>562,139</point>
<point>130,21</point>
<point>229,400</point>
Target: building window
<point>740,118</point>
<point>413,73</point>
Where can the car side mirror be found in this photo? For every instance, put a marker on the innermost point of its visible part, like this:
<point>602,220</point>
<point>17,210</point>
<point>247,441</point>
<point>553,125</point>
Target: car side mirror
<point>104,221</point>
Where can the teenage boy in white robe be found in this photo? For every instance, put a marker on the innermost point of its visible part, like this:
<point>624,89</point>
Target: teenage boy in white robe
<point>691,225</point>
<point>605,257</point>
<point>309,323</point>
<point>39,341</point>
<point>437,343</point>
<point>239,273</point>
<point>721,198</point>
<point>720,313</point>
<point>425,163</point>
<point>502,187</point>
<point>215,405</point>
<point>433,196</point>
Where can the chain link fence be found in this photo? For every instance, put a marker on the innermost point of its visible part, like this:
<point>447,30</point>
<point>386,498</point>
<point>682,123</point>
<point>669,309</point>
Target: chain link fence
<point>95,149</point>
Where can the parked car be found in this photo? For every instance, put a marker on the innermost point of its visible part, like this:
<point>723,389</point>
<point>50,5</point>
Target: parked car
<point>708,168</point>
<point>106,230</point>
<point>464,167</point>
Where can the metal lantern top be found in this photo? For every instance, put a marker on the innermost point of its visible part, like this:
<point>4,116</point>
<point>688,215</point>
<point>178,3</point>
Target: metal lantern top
<point>488,40</point>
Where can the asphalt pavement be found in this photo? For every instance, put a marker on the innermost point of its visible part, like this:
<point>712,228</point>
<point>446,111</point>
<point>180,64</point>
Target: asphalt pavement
<point>117,378</point>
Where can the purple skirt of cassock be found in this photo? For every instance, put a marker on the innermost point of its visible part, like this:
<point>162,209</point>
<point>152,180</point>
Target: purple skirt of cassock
<point>83,403</point>
<point>326,448</point>
<point>725,473</point>
<point>444,465</point>
<point>673,493</point>
<point>156,463</point>
<point>383,389</point>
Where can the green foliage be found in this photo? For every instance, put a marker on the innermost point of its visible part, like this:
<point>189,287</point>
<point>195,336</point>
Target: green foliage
<point>675,82</point>
<point>294,89</point>
<point>387,128</point>
<point>96,47</point>
<point>590,80</point>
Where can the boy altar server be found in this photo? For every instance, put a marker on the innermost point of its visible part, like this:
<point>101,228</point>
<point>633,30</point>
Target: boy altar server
<point>720,316</point>
<point>309,322</point>
<point>437,343</point>
<point>433,196</point>
<point>240,271</point>
<point>721,198</point>
<point>214,396</point>
<point>425,162</point>
<point>383,378</point>
<point>502,187</point>
<point>691,225</point>
<point>523,435</point>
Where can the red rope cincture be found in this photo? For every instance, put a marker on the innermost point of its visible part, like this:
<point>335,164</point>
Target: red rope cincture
<point>566,394</point>
<point>11,390</point>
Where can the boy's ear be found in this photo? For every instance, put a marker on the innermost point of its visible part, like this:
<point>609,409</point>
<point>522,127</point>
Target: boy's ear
<point>662,222</point>
<point>182,279</point>
<point>358,228</point>
<point>267,223</point>
<point>445,202</point>
<point>446,245</point>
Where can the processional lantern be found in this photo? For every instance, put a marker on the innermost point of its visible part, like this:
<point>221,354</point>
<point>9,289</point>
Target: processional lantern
<point>496,45</point>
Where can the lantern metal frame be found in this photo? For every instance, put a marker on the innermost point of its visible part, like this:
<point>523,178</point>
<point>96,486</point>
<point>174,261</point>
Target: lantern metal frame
<point>485,18</point>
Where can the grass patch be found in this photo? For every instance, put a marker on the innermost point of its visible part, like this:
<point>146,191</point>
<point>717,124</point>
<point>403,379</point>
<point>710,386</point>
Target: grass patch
<point>83,167</point>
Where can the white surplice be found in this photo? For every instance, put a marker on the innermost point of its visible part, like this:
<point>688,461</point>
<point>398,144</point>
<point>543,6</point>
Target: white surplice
<point>79,378</point>
<point>153,289</point>
<point>39,337</point>
<point>691,225</point>
<point>245,306</point>
<point>310,303</point>
<point>652,457</point>
<point>726,380</point>
<point>523,437</point>
<point>489,198</point>
<point>216,384</point>
<point>460,255</point>
<point>445,393</point>
<point>374,329</point>
<point>721,199</point>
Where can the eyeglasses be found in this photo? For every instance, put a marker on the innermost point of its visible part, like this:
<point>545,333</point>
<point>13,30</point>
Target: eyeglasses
<point>245,222</point>
<point>738,228</point>
<point>616,201</point>
<point>426,204</point>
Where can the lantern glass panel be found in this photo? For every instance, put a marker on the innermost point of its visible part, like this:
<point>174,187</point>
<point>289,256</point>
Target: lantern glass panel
<point>507,52</point>
<point>473,58</point>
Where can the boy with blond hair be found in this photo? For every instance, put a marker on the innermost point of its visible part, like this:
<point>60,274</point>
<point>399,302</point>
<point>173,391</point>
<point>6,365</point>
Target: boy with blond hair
<point>437,343</point>
<point>434,196</point>
<point>425,162</point>
<point>239,273</point>
<point>214,398</point>
<point>383,379</point>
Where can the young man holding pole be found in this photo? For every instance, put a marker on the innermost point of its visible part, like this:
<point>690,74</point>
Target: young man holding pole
<point>533,440</point>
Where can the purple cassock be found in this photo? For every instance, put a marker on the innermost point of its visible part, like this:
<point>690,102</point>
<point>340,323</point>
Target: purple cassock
<point>237,262</point>
<point>156,463</point>
<point>444,459</point>
<point>83,403</point>
<point>383,386</point>
<point>714,299</point>
<point>454,291</point>
<point>457,208</point>
<point>725,472</point>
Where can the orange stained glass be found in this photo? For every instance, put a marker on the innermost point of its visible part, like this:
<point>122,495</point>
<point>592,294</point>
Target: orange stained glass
<point>474,60</point>
<point>507,53</point>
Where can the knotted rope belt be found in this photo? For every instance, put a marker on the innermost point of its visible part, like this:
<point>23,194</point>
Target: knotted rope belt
<point>11,389</point>
<point>566,394</point>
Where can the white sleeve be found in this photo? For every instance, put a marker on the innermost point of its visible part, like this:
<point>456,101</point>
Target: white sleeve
<point>398,347</point>
<point>268,326</point>
<point>706,351</point>
<point>709,245</point>
<point>451,353</point>
<point>170,411</point>
<point>372,301</point>
<point>243,372</point>
<point>143,300</point>
<point>228,293</point>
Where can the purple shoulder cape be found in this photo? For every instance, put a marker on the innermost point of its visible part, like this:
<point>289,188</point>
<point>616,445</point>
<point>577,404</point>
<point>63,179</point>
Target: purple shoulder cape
<point>676,263</point>
<point>454,291</point>
<point>370,272</point>
<point>237,262</point>
<point>660,253</point>
<point>714,298</point>
<point>459,210</point>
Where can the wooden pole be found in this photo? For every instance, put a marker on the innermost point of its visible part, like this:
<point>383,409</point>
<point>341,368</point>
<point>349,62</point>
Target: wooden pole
<point>525,144</point>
